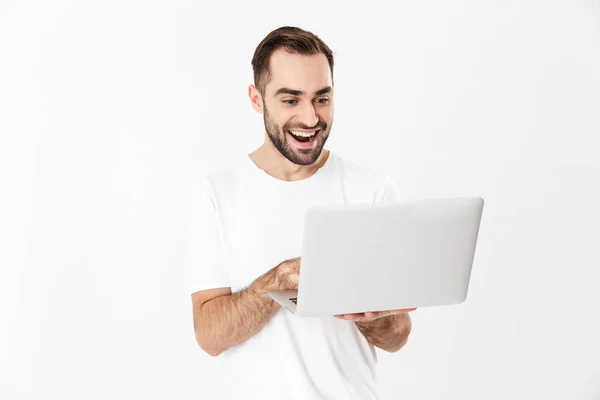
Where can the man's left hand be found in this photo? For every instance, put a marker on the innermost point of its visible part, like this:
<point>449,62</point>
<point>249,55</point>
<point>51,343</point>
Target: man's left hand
<point>371,316</point>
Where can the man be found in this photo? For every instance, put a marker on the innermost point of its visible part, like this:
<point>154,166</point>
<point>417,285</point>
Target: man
<point>246,232</point>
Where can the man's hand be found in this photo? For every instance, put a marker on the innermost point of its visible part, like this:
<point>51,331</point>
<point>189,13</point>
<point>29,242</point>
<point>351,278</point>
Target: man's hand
<point>288,274</point>
<point>284,276</point>
<point>372,316</point>
<point>225,319</point>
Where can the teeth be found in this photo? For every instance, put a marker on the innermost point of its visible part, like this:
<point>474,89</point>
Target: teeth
<point>303,134</point>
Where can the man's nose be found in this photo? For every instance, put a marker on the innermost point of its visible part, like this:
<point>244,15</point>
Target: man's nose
<point>309,116</point>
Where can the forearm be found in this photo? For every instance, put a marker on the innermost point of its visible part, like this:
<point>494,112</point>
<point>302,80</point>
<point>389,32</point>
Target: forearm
<point>229,320</point>
<point>388,333</point>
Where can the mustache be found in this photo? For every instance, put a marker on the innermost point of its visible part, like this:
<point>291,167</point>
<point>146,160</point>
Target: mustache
<point>320,124</point>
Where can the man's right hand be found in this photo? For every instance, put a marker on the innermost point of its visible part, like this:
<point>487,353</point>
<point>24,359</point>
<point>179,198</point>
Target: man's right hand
<point>288,274</point>
<point>282,277</point>
<point>223,319</point>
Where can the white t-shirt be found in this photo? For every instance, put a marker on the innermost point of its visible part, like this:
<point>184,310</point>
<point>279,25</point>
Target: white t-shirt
<point>244,222</point>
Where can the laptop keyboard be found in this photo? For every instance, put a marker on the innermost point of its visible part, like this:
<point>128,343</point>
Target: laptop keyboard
<point>294,300</point>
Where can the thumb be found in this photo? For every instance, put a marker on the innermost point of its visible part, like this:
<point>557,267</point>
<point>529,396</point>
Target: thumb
<point>295,264</point>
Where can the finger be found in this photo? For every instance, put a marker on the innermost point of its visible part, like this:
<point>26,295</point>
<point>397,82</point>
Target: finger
<point>402,310</point>
<point>342,316</point>
<point>294,278</point>
<point>355,316</point>
<point>291,265</point>
<point>296,265</point>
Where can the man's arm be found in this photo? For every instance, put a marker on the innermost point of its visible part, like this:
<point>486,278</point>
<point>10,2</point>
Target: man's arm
<point>389,333</point>
<point>228,320</point>
<point>223,320</point>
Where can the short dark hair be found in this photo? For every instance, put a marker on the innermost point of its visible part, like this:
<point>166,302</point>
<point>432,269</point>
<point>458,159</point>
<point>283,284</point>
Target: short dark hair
<point>294,40</point>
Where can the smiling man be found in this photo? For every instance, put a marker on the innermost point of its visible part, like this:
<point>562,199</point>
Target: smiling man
<point>246,235</point>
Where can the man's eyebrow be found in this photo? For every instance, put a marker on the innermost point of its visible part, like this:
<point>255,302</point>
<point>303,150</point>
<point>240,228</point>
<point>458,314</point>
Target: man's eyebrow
<point>295,92</point>
<point>323,91</point>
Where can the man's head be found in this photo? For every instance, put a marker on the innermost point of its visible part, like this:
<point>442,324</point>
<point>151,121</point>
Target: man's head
<point>293,89</point>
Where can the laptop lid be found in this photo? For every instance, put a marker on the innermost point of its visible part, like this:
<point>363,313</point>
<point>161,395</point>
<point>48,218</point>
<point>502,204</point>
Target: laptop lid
<point>373,257</point>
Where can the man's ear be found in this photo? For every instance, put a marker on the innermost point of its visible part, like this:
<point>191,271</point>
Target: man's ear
<point>255,99</point>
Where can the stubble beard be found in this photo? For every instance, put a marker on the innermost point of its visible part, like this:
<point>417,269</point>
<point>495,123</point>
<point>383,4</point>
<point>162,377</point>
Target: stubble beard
<point>278,137</point>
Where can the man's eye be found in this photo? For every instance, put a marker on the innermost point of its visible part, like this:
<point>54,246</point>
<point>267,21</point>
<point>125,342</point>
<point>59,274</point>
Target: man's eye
<point>290,101</point>
<point>324,100</point>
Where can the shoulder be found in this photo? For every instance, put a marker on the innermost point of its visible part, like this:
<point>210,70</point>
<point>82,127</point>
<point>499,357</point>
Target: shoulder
<point>221,180</point>
<point>231,171</point>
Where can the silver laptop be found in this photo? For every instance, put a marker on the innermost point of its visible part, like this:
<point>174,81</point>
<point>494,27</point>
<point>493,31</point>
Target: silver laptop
<point>386,256</point>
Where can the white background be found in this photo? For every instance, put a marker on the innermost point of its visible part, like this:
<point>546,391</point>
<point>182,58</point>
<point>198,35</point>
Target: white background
<point>110,110</point>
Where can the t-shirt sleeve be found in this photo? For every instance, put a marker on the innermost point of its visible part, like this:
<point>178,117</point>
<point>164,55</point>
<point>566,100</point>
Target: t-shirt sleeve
<point>391,192</point>
<point>207,252</point>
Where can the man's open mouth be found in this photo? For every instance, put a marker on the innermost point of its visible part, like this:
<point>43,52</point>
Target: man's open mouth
<point>305,136</point>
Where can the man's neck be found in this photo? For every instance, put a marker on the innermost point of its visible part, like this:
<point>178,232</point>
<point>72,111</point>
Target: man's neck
<point>270,160</point>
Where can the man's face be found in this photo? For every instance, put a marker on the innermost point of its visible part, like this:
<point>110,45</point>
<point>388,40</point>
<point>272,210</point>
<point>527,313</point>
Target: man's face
<point>298,105</point>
